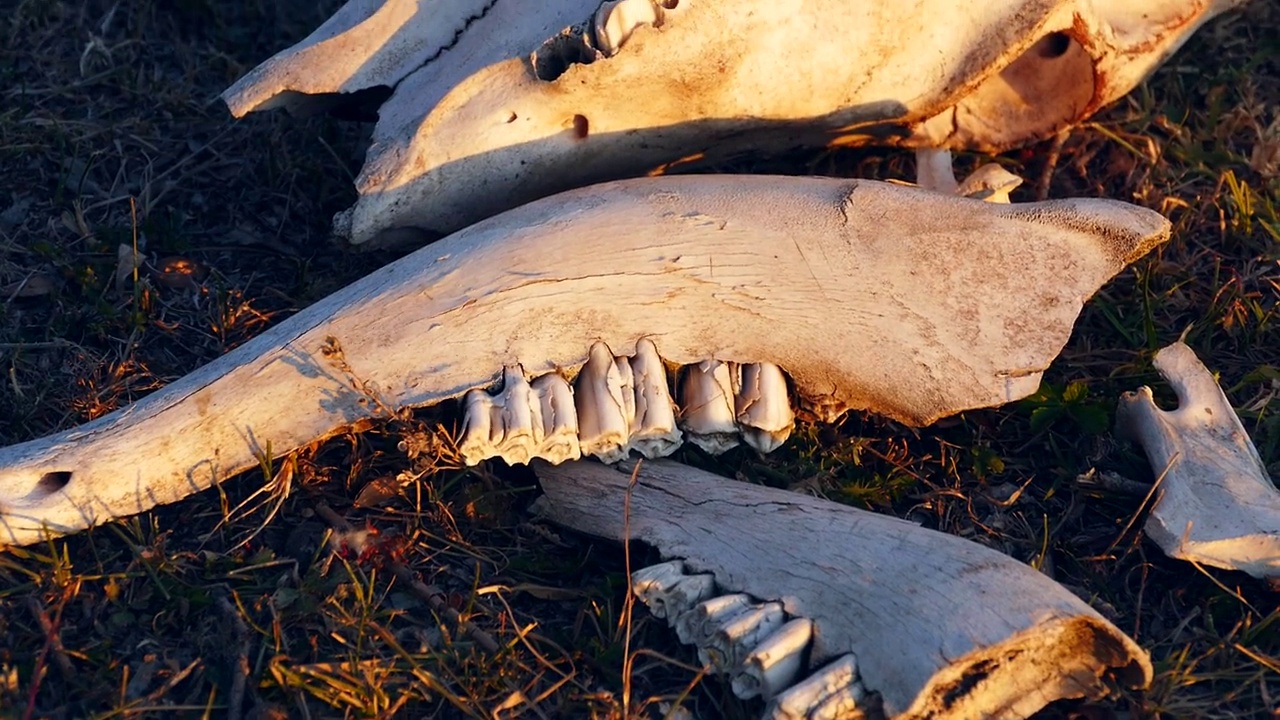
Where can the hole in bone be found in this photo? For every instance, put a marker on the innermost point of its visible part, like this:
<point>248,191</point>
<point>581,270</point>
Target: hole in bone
<point>1053,45</point>
<point>670,4</point>
<point>52,482</point>
<point>570,47</point>
<point>580,127</point>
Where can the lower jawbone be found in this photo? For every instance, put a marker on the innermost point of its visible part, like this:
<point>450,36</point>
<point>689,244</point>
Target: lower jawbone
<point>891,299</point>
<point>494,106</point>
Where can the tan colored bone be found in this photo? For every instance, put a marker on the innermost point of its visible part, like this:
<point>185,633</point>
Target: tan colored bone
<point>1215,504</point>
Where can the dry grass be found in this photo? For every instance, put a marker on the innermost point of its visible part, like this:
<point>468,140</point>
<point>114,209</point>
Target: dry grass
<point>110,134</point>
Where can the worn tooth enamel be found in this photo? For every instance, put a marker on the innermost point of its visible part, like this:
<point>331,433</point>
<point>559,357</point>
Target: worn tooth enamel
<point>615,21</point>
<point>991,182</point>
<point>833,693</point>
<point>696,625</point>
<point>763,406</point>
<point>668,592</point>
<point>775,663</point>
<point>554,397</point>
<point>521,418</point>
<point>726,648</point>
<point>605,407</point>
<point>478,442</point>
<point>654,433</point>
<point>706,406</point>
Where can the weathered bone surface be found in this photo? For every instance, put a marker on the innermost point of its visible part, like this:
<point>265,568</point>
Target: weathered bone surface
<point>1215,504</point>
<point>509,103</point>
<point>908,621</point>
<point>871,296</point>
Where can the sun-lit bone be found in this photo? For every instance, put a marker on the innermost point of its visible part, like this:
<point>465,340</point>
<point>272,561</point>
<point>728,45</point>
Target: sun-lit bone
<point>926,614</point>
<point>833,693</point>
<point>763,407</point>
<point>479,128</point>
<point>897,272</point>
<point>775,663</point>
<point>507,425</point>
<point>559,419</point>
<point>653,433</point>
<point>606,404</point>
<point>1215,504</point>
<point>736,637</point>
<point>706,405</point>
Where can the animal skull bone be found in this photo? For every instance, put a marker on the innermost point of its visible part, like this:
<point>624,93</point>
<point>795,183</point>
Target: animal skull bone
<point>895,620</point>
<point>930,304</point>
<point>497,104</point>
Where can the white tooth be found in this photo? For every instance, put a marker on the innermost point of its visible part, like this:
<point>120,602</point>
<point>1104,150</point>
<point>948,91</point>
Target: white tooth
<point>763,407</point>
<point>706,412</point>
<point>699,623</point>
<point>774,663</point>
<point>735,638</point>
<point>668,592</point>
<point>559,419</point>
<point>477,442</point>
<point>615,21</point>
<point>654,433</point>
<point>832,693</point>
<point>604,410</point>
<point>521,418</point>
<point>991,182</point>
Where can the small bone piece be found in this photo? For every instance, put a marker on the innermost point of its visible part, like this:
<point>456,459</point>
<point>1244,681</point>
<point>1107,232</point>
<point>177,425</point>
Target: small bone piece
<point>606,405</point>
<point>832,693</point>
<point>1215,504</point>
<point>559,419</point>
<point>775,663</point>
<point>706,406</point>
<point>762,406</point>
<point>941,627</point>
<point>730,644</point>
<point>653,433</point>
<point>991,183</point>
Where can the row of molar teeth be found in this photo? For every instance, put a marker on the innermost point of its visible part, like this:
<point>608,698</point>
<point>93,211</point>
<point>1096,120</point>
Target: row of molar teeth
<point>762,650</point>
<point>620,404</point>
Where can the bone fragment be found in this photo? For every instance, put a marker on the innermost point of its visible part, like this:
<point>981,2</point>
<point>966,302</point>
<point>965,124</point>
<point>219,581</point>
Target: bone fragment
<point>478,128</point>
<point>1215,504</point>
<point>653,432</point>
<point>762,406</point>
<point>606,404</point>
<point>991,183</point>
<point>941,627</point>
<point>832,693</point>
<point>707,408</point>
<point>775,663</point>
<point>930,305</point>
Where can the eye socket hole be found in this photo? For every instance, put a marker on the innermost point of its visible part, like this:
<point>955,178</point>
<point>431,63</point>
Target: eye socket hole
<point>1053,45</point>
<point>52,482</point>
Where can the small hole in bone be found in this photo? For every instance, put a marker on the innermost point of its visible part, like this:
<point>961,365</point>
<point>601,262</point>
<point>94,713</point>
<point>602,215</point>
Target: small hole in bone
<point>511,117</point>
<point>556,55</point>
<point>52,482</point>
<point>1053,45</point>
<point>670,4</point>
<point>580,127</point>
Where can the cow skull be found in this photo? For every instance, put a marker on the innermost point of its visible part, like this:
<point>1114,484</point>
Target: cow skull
<point>497,103</point>
<point>871,296</point>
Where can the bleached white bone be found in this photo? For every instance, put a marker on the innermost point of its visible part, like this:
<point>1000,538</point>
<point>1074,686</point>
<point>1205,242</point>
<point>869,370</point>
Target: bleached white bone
<point>1215,504</point>
<point>653,433</point>
<point>775,663</point>
<point>706,405</point>
<point>479,128</point>
<point>606,405</point>
<point>930,305</point>
<point>941,627</point>
<point>762,406</point>
<point>735,638</point>
<point>832,693</point>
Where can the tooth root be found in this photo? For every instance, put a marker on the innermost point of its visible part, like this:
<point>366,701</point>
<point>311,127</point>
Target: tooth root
<point>934,170</point>
<point>698,624</point>
<point>615,21</point>
<point>706,413</point>
<point>739,635</point>
<point>604,424</point>
<point>654,433</point>
<point>554,398</point>
<point>991,182</point>
<point>763,407</point>
<point>775,663</point>
<point>832,693</point>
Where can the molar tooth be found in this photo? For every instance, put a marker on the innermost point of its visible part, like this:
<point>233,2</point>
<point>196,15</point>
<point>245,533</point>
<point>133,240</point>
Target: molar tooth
<point>605,411</point>
<point>554,397</point>
<point>521,418</point>
<point>668,592</point>
<point>763,407</point>
<point>654,432</point>
<point>774,664</point>
<point>833,692</point>
<point>706,412</point>
<point>615,21</point>
<point>739,635</point>
<point>478,427</point>
<point>696,625</point>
